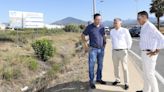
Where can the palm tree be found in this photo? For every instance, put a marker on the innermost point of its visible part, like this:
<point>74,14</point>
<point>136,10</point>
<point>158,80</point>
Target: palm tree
<point>157,7</point>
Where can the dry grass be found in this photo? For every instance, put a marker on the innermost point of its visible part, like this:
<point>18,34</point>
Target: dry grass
<point>162,29</point>
<point>15,57</point>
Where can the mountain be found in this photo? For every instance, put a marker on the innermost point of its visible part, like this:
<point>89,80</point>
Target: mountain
<point>70,20</point>
<point>125,22</point>
<point>108,23</point>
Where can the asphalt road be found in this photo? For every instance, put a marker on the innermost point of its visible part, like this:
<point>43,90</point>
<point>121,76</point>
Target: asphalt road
<point>160,60</point>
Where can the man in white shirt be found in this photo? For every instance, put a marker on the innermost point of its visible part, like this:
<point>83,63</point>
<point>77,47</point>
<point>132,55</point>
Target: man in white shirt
<point>151,40</point>
<point>121,42</point>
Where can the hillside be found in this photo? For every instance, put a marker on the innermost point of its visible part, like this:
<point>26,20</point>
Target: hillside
<point>69,20</point>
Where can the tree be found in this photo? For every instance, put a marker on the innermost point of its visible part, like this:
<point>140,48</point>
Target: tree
<point>157,7</point>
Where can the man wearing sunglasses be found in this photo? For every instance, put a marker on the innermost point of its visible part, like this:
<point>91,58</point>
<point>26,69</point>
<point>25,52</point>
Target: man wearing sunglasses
<point>151,40</point>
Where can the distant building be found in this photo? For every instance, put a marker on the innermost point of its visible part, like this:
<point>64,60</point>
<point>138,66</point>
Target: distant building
<point>48,26</point>
<point>19,19</point>
<point>2,26</point>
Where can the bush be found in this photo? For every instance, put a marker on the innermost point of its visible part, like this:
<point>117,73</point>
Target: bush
<point>72,28</point>
<point>43,49</point>
<point>82,27</point>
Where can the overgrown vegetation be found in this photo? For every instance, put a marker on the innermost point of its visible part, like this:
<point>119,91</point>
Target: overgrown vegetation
<point>31,63</point>
<point>10,73</point>
<point>72,28</point>
<point>19,64</point>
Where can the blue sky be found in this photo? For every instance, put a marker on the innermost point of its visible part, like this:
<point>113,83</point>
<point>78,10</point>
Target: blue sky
<point>58,9</point>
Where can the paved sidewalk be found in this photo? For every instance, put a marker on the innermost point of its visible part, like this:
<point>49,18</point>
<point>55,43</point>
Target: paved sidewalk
<point>136,82</point>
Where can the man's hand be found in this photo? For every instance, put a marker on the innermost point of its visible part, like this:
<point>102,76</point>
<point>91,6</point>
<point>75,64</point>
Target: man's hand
<point>85,44</point>
<point>153,53</point>
<point>86,47</point>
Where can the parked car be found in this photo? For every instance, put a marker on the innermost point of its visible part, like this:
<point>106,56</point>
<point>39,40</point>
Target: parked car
<point>135,31</point>
<point>107,30</point>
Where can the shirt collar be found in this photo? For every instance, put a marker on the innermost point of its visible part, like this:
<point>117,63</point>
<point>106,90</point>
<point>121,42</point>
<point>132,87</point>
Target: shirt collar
<point>145,23</point>
<point>118,29</point>
<point>96,26</point>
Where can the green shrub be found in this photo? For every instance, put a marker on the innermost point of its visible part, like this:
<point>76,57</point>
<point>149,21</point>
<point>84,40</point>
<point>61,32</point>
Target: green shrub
<point>82,27</point>
<point>43,49</point>
<point>72,28</point>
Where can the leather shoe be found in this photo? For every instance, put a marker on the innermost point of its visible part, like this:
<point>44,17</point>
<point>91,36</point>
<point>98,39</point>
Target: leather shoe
<point>126,87</point>
<point>115,83</point>
<point>101,82</point>
<point>92,86</point>
<point>139,91</point>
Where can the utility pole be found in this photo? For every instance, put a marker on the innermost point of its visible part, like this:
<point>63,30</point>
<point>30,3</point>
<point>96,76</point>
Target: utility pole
<point>94,7</point>
<point>101,9</point>
<point>136,1</point>
<point>22,21</point>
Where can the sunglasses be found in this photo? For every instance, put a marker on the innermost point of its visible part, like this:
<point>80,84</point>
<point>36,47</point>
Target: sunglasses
<point>139,17</point>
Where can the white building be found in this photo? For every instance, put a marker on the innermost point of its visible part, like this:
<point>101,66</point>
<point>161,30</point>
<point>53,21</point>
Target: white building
<point>19,19</point>
<point>2,26</point>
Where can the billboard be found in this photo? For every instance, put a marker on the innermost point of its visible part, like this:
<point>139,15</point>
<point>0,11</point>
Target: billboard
<point>19,19</point>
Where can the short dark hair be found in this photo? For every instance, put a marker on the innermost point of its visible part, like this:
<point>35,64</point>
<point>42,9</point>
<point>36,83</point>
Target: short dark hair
<point>96,15</point>
<point>143,13</point>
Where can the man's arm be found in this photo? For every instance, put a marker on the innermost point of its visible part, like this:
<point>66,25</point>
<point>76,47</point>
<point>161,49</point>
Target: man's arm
<point>84,40</point>
<point>128,39</point>
<point>85,44</point>
<point>160,40</point>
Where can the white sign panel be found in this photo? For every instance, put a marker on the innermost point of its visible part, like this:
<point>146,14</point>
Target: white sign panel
<point>15,19</point>
<point>20,19</point>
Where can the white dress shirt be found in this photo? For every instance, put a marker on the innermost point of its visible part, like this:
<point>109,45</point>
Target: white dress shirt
<point>121,38</point>
<point>150,37</point>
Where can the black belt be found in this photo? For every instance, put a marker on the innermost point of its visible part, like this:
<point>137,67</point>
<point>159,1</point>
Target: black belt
<point>98,47</point>
<point>147,50</point>
<point>119,49</point>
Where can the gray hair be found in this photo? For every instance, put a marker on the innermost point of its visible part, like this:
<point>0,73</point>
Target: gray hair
<point>117,19</point>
